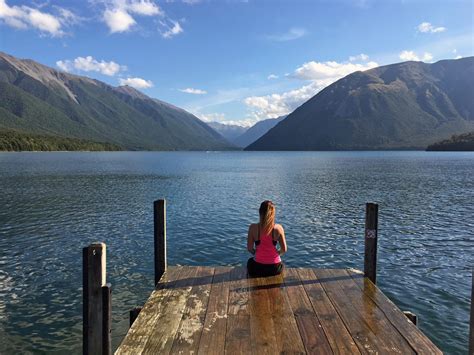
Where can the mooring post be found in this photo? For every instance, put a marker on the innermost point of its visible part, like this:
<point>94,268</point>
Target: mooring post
<point>370,257</point>
<point>93,278</point>
<point>107,319</point>
<point>134,314</point>
<point>471,326</point>
<point>160,238</point>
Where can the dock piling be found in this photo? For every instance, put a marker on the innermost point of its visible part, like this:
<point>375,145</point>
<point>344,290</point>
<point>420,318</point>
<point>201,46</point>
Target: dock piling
<point>94,278</point>
<point>107,319</point>
<point>371,225</point>
<point>159,214</point>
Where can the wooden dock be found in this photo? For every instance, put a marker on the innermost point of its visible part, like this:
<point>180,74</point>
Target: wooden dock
<point>219,310</point>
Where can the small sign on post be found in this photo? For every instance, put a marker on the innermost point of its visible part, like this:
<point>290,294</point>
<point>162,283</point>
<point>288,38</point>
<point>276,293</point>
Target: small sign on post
<point>370,256</point>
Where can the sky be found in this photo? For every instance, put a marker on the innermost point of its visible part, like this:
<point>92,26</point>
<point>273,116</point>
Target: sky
<point>235,62</point>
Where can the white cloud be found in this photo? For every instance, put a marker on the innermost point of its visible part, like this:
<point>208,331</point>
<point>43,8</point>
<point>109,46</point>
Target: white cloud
<point>144,7</point>
<point>211,117</point>
<point>331,69</point>
<point>171,30</point>
<point>458,57</point>
<point>275,105</point>
<point>193,91</point>
<point>221,118</point>
<point>272,76</point>
<point>88,64</point>
<point>360,57</point>
<point>24,17</point>
<point>321,74</point>
<point>246,123</point>
<point>426,27</point>
<point>411,55</point>
<point>118,20</point>
<point>137,83</point>
<point>118,13</point>
<point>292,34</point>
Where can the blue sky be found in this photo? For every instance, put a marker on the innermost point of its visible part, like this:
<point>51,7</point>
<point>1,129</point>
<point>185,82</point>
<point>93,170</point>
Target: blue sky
<point>233,61</point>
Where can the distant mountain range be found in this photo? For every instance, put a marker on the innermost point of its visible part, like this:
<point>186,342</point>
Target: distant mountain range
<point>400,106</point>
<point>256,131</point>
<point>243,136</point>
<point>228,131</point>
<point>36,99</point>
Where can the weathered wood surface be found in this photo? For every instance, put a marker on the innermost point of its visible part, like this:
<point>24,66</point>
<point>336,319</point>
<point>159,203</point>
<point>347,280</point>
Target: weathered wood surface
<point>93,278</point>
<point>217,310</point>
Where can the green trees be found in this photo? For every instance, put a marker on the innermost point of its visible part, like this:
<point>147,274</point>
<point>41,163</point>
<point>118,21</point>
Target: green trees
<point>11,140</point>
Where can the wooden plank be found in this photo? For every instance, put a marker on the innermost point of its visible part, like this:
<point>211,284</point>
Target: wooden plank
<point>159,230</point>
<point>337,334</point>
<point>262,328</point>
<point>162,335</point>
<point>310,329</point>
<point>417,340</point>
<point>134,314</point>
<point>214,331</point>
<point>138,334</point>
<point>288,338</point>
<point>366,322</point>
<point>192,323</point>
<point>238,316</point>
<point>238,292</point>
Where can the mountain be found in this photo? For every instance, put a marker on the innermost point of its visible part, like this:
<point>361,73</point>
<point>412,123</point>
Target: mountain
<point>36,99</point>
<point>256,131</point>
<point>462,142</point>
<point>228,131</point>
<point>400,106</point>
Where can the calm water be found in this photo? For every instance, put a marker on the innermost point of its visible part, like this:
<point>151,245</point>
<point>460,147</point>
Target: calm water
<point>53,204</point>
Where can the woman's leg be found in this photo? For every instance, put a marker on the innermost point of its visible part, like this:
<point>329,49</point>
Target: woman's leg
<point>251,267</point>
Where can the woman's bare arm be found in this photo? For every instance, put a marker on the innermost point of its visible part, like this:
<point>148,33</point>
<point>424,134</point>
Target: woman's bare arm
<point>282,239</point>
<point>250,241</point>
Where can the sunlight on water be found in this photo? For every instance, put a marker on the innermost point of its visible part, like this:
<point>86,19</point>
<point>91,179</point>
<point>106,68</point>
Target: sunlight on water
<point>53,204</point>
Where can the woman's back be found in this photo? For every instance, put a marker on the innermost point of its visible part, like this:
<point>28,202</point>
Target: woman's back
<point>266,252</point>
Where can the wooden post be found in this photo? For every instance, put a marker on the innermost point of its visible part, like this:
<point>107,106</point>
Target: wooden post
<point>160,238</point>
<point>471,326</point>
<point>93,278</point>
<point>134,314</point>
<point>107,319</point>
<point>370,257</point>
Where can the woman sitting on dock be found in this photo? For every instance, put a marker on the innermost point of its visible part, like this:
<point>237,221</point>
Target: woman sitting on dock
<point>265,235</point>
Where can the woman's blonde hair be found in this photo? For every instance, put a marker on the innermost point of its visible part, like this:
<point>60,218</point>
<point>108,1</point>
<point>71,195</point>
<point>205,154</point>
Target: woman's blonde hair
<point>267,216</point>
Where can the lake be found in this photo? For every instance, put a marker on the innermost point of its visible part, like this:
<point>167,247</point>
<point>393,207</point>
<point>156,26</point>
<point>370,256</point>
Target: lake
<point>54,204</point>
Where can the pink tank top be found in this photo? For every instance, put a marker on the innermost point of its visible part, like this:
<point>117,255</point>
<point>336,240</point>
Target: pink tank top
<point>266,252</point>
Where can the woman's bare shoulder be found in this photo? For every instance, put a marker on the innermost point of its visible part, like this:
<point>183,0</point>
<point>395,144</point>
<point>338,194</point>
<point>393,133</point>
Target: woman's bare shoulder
<point>253,226</point>
<point>279,228</point>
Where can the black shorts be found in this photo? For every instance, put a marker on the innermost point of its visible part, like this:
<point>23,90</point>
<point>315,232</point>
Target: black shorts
<point>261,270</point>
